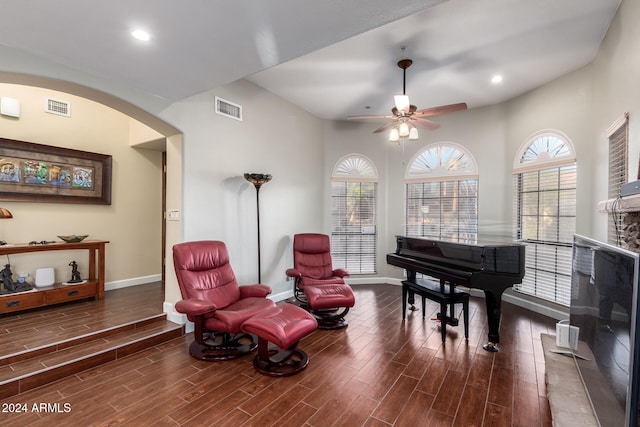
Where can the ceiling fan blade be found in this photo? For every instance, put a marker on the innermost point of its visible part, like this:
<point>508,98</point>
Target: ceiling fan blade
<point>424,123</point>
<point>443,109</point>
<point>383,127</point>
<point>365,117</point>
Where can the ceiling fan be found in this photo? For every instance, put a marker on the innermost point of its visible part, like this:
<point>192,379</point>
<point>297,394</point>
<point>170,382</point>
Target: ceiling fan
<point>406,117</point>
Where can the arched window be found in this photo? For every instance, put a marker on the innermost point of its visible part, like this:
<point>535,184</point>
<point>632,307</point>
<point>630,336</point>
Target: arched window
<point>353,214</point>
<point>442,193</point>
<point>544,178</point>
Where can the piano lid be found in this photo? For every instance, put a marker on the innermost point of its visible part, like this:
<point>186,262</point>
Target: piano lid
<point>498,255</point>
<point>484,240</point>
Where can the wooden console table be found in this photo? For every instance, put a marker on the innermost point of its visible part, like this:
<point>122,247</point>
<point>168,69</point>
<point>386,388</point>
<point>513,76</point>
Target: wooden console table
<point>58,293</point>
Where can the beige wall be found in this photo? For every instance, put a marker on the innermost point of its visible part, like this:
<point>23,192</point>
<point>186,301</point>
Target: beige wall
<point>132,223</point>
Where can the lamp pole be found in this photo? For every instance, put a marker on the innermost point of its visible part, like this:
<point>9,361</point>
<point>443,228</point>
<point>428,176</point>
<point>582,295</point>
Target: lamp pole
<point>258,180</point>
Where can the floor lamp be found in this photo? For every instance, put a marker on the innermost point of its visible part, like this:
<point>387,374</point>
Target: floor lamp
<point>258,180</point>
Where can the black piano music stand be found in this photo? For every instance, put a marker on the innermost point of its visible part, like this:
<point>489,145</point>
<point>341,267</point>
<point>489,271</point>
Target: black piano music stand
<point>447,296</point>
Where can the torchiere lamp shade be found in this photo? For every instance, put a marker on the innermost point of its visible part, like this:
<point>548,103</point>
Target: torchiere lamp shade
<point>257,179</point>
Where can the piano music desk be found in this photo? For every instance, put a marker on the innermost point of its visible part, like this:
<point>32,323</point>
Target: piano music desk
<point>445,295</point>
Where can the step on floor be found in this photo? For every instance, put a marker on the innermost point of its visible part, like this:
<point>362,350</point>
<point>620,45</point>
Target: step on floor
<point>28,369</point>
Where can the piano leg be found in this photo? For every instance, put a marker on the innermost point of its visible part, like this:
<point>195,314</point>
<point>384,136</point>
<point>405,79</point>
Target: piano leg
<point>412,301</point>
<point>411,276</point>
<point>493,300</point>
<point>444,320</point>
<point>442,316</point>
<point>404,302</point>
<point>410,297</point>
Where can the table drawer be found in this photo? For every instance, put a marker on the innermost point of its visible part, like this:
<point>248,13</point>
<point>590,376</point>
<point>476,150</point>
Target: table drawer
<point>21,301</point>
<point>69,293</point>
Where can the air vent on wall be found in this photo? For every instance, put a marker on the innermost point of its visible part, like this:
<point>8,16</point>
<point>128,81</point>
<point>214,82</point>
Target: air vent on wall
<point>228,109</point>
<point>55,106</point>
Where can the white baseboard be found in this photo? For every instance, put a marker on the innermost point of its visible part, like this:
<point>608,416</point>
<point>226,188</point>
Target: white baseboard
<point>119,284</point>
<point>175,317</point>
<point>520,300</point>
<point>281,296</point>
<point>529,303</point>
<point>510,297</point>
<point>535,306</point>
<point>373,281</point>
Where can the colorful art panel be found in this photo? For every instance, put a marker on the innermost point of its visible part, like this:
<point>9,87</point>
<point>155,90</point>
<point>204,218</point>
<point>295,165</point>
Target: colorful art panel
<point>82,177</point>
<point>9,170</point>
<point>60,175</point>
<point>34,172</point>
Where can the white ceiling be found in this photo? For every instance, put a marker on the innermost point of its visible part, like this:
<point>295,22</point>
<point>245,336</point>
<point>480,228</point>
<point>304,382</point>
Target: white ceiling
<point>333,58</point>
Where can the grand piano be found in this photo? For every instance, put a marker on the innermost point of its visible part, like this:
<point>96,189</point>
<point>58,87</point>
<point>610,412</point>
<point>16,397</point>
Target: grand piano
<point>490,266</point>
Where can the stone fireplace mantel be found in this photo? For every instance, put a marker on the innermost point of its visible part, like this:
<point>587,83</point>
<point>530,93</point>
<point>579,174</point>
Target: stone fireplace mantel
<point>629,207</point>
<point>621,205</point>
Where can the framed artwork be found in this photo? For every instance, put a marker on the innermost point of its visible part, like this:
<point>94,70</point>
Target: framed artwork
<point>32,172</point>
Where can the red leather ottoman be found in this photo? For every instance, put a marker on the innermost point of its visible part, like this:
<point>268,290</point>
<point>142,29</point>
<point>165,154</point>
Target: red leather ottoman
<point>324,298</point>
<point>283,326</point>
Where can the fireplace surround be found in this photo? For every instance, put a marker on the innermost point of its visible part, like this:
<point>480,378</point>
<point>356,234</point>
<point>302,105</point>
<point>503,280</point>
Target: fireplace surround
<point>629,207</point>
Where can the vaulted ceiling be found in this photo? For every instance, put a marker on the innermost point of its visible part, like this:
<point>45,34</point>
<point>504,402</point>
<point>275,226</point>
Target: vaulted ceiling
<point>333,58</point>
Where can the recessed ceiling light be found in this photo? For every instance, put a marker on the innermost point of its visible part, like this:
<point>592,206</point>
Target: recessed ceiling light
<point>496,79</point>
<point>141,35</point>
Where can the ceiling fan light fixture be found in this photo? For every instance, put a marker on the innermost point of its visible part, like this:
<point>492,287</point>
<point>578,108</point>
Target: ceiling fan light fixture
<point>403,129</point>
<point>405,116</point>
<point>394,136</point>
<point>402,104</point>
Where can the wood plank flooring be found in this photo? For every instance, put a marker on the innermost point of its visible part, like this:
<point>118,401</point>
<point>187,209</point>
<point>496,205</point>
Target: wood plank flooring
<point>22,331</point>
<point>379,371</point>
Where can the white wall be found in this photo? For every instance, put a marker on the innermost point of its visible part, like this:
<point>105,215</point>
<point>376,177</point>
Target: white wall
<point>481,131</point>
<point>300,150</point>
<point>564,105</point>
<point>616,90</point>
<point>275,137</point>
<point>582,104</point>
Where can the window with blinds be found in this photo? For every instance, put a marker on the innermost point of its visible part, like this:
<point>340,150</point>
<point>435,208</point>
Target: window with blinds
<point>544,182</point>
<point>442,209</point>
<point>618,172</point>
<point>442,194</point>
<point>353,215</point>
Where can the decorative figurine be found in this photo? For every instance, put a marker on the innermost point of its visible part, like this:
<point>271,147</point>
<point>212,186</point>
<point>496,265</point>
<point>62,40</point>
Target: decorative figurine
<point>8,284</point>
<point>75,274</point>
<point>5,276</point>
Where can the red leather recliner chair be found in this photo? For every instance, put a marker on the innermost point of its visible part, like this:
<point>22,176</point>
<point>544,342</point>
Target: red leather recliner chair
<point>318,287</point>
<point>214,302</point>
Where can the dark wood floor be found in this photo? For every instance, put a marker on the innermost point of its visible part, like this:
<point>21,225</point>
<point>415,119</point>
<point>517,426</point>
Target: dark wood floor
<point>28,330</point>
<point>379,371</point>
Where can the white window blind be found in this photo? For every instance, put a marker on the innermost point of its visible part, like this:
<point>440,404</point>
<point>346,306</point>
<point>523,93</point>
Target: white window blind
<point>442,193</point>
<point>353,226</point>
<point>618,172</point>
<point>353,215</point>
<point>442,209</point>
<point>545,215</point>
